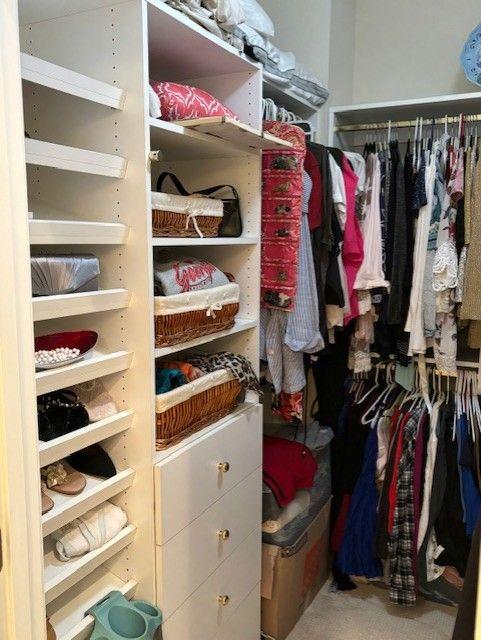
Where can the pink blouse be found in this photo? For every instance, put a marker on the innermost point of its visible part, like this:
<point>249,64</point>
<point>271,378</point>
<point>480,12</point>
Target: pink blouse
<point>353,246</point>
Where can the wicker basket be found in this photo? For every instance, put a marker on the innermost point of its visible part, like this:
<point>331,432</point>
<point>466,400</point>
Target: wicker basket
<point>186,316</point>
<point>168,224</point>
<point>185,410</point>
<point>185,216</point>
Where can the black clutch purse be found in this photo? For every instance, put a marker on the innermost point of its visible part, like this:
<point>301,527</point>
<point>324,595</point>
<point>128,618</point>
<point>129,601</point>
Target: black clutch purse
<point>59,413</point>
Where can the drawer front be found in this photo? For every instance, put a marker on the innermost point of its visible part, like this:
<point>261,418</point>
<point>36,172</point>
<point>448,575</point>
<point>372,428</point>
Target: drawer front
<point>202,617</point>
<point>245,623</point>
<point>190,557</point>
<point>191,480</point>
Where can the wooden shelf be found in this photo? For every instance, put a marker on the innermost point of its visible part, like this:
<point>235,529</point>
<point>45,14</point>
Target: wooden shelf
<point>75,304</point>
<point>95,365</point>
<point>204,242</point>
<point>97,490</point>
<point>60,156</point>
<point>59,448</point>
<point>177,142</point>
<point>236,133</point>
<point>60,576</point>
<point>53,232</point>
<point>241,324</point>
<point>55,77</point>
<point>67,612</point>
<point>283,97</point>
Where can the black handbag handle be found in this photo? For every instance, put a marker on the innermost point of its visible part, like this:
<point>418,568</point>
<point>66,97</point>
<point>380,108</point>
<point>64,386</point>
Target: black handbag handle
<point>177,183</point>
<point>183,191</point>
<point>210,190</point>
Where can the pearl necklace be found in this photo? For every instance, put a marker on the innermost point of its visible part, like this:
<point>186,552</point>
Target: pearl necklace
<point>52,356</point>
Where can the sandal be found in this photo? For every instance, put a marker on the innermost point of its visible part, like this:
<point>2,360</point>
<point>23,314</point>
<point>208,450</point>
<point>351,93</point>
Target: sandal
<point>47,503</point>
<point>62,478</point>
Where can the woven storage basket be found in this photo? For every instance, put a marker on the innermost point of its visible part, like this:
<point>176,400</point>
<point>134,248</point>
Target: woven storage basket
<point>186,316</point>
<point>185,216</point>
<point>185,410</point>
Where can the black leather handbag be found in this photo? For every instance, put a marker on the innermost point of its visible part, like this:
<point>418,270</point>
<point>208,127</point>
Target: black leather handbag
<point>231,225</point>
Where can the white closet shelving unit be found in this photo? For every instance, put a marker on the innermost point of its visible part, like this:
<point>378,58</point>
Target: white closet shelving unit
<point>345,133</point>
<point>83,185</point>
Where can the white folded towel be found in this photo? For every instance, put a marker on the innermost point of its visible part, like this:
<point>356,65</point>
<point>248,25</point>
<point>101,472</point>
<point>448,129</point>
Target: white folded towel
<point>90,531</point>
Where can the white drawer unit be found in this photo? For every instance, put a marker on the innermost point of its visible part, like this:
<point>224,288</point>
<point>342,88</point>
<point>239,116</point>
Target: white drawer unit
<point>191,556</point>
<point>192,479</point>
<point>245,622</point>
<point>209,610</point>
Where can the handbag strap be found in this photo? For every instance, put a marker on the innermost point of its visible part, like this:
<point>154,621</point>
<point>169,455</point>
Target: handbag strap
<point>175,180</point>
<point>210,190</point>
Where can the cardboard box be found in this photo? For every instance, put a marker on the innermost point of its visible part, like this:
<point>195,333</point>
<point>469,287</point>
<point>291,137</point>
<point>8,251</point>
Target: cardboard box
<point>292,576</point>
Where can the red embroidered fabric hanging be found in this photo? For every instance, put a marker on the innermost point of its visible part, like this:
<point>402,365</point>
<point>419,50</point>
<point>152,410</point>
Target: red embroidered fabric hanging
<point>281,216</point>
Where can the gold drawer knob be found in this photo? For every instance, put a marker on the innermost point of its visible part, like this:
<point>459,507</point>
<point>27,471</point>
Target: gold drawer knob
<point>223,467</point>
<point>223,534</point>
<point>223,600</point>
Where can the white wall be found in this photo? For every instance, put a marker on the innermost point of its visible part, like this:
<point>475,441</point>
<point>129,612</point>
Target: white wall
<point>303,27</point>
<point>411,49</point>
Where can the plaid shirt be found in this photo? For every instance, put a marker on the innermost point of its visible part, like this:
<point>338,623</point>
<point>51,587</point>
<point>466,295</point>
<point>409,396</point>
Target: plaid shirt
<point>402,586</point>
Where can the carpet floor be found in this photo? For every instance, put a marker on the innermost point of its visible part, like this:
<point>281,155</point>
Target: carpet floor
<point>365,614</point>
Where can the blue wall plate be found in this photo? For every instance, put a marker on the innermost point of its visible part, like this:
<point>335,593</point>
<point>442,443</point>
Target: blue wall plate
<point>471,56</point>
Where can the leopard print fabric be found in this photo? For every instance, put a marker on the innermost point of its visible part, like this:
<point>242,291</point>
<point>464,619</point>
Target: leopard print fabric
<point>238,365</point>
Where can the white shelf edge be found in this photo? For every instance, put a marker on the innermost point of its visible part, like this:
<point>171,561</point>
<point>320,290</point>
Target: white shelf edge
<point>204,242</point>
<point>393,104</point>
<point>75,506</point>
<point>75,304</point>
<point>161,456</point>
<point>225,147</point>
<point>58,156</point>
<point>240,325</point>
<point>83,629</point>
<point>97,365</point>
<point>47,232</point>
<point>235,133</point>
<point>59,448</point>
<point>73,571</point>
<point>53,76</point>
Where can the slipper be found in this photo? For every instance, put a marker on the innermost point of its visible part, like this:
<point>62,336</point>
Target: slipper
<point>94,461</point>
<point>62,478</point>
<point>47,503</point>
<point>51,635</point>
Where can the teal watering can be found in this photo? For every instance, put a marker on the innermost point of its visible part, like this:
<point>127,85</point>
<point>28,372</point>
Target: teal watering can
<point>117,618</point>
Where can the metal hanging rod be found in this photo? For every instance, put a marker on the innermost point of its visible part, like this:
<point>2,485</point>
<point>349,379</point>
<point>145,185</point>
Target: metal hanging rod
<point>400,124</point>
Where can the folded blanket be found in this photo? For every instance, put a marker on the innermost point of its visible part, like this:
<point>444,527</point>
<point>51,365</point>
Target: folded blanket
<point>181,274</point>
<point>238,366</point>
<point>227,13</point>
<point>90,531</point>
<point>305,80</point>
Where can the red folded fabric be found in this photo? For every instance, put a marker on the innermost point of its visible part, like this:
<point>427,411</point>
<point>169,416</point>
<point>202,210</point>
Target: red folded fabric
<point>288,467</point>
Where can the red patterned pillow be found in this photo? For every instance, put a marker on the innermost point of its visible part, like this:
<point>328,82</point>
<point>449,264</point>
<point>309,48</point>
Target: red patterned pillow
<point>181,102</point>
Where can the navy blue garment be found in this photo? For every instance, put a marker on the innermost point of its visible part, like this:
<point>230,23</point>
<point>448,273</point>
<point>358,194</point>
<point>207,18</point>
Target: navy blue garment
<point>356,556</point>
<point>469,487</point>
